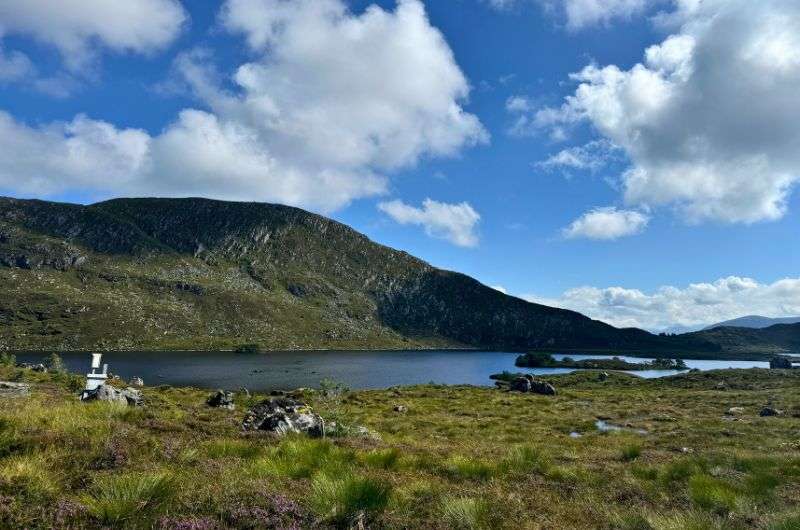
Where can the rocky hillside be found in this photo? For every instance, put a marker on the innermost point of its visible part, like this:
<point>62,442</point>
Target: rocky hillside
<point>202,274</point>
<point>780,338</point>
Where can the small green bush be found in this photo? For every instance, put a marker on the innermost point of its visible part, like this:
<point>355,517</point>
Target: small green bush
<point>55,364</point>
<point>630,453</point>
<point>465,513</point>
<point>342,500</point>
<point>8,359</point>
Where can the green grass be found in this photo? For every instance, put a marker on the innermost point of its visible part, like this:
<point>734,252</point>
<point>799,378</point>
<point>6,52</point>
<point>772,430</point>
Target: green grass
<point>630,453</point>
<point>465,457</point>
<point>713,494</point>
<point>342,500</point>
<point>466,513</point>
<point>115,500</point>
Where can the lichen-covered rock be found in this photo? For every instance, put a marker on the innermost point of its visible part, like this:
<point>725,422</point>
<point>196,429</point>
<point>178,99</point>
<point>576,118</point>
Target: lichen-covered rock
<point>129,396</point>
<point>137,382</point>
<point>221,399</point>
<point>283,416</point>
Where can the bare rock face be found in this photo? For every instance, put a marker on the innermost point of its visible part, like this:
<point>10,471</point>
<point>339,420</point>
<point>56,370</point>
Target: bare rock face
<point>221,399</point>
<point>129,396</point>
<point>283,416</point>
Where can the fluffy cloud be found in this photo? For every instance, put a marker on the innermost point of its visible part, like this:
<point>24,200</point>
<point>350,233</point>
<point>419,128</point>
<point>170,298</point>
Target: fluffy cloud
<point>83,154</point>
<point>709,119</point>
<point>453,222</point>
<point>607,224</point>
<point>331,103</point>
<point>695,306</point>
<point>75,26</point>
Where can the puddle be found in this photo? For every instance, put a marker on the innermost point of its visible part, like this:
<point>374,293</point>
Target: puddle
<point>604,426</point>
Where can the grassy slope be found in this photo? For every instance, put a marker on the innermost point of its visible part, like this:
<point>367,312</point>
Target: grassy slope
<point>460,457</point>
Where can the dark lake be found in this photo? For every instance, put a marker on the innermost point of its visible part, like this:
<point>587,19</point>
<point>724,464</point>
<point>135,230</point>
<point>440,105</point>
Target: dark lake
<point>358,370</point>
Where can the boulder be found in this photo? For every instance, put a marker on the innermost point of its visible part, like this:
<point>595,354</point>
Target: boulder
<point>521,384</point>
<point>528,383</point>
<point>221,399</point>
<point>129,396</point>
<point>137,382</point>
<point>770,411</point>
<point>283,416</point>
<point>780,363</point>
<point>603,376</point>
<point>735,411</point>
<point>400,408</point>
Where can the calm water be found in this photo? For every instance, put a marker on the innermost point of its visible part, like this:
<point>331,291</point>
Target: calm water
<point>289,370</point>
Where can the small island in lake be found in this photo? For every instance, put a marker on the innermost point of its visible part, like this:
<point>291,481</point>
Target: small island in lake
<point>546,360</point>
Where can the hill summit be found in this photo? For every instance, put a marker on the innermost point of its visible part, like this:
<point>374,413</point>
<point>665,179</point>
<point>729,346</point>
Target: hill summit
<point>204,274</point>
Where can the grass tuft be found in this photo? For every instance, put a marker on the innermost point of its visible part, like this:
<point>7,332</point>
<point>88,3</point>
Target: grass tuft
<point>461,467</point>
<point>465,513</point>
<point>342,500</point>
<point>712,494</point>
<point>115,499</point>
<point>630,453</point>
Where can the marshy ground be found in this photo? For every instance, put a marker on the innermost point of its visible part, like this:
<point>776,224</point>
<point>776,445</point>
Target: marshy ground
<point>456,457</point>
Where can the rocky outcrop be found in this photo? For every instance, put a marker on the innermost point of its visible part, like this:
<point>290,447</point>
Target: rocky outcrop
<point>770,411</point>
<point>129,396</point>
<point>529,384</point>
<point>221,399</point>
<point>283,416</point>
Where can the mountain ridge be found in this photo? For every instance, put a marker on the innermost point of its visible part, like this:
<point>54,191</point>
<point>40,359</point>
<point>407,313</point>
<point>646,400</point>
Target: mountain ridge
<point>195,273</point>
<point>753,321</point>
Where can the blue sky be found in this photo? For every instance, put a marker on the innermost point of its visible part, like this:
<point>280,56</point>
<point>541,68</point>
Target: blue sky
<point>671,204</point>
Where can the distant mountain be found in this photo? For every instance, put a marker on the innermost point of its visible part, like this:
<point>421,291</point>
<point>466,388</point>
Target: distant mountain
<point>780,338</point>
<point>199,274</point>
<point>754,321</point>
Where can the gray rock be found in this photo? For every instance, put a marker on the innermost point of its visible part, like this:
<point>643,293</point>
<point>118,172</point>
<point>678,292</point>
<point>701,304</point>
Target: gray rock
<point>770,411</point>
<point>222,400</point>
<point>735,411</point>
<point>528,383</point>
<point>521,384</point>
<point>283,416</point>
<point>129,396</point>
<point>603,376</point>
<point>780,363</point>
<point>137,382</point>
<point>9,389</point>
<point>400,408</point>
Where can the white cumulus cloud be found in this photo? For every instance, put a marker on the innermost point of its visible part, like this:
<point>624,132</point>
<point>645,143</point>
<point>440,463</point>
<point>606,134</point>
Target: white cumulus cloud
<point>453,222</point>
<point>607,224</point>
<point>75,27</point>
<point>709,118</point>
<point>330,103</point>
<point>695,306</point>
